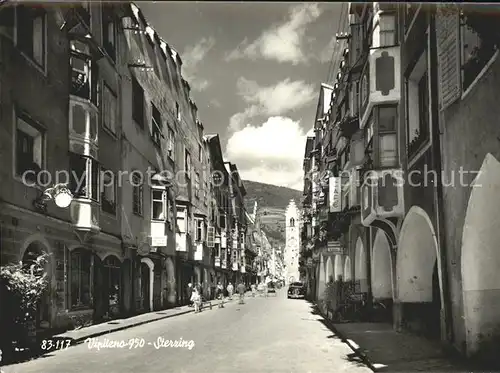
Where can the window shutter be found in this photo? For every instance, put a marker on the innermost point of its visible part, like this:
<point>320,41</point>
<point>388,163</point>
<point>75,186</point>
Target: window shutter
<point>210,237</point>
<point>448,49</point>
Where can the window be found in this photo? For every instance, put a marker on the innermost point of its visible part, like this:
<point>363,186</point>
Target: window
<point>31,33</point>
<point>181,219</point>
<point>137,103</point>
<point>109,31</point>
<point>108,192</point>
<point>199,230</point>
<point>171,143</point>
<point>80,265</point>
<point>137,194</point>
<point>292,222</point>
<point>112,279</point>
<point>417,105</point>
<point>109,109</point>
<point>222,219</point>
<point>476,51</point>
<point>156,125</point>
<point>387,31</point>
<point>158,202</point>
<point>187,163</point>
<point>177,111</point>
<point>200,153</point>
<point>84,72</point>
<point>388,155</point>
<point>29,149</point>
<point>84,176</point>
<point>196,185</point>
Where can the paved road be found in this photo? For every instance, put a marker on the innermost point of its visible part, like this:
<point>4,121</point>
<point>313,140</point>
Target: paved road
<point>264,335</point>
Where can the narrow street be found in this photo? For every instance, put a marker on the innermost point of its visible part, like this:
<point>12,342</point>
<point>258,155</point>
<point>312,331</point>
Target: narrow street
<point>263,335</point>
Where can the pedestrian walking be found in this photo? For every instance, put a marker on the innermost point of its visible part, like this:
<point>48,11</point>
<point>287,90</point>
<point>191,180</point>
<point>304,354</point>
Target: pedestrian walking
<point>189,293</point>
<point>230,289</point>
<point>241,292</point>
<point>254,289</point>
<point>196,299</point>
<point>220,295</point>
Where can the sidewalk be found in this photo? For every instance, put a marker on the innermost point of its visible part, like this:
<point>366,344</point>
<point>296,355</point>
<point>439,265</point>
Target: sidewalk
<point>80,335</point>
<point>386,350</point>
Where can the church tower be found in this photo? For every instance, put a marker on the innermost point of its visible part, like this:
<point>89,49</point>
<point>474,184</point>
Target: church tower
<point>292,248</point>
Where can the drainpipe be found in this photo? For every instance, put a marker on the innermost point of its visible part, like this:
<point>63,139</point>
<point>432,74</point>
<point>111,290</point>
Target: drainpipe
<point>445,324</point>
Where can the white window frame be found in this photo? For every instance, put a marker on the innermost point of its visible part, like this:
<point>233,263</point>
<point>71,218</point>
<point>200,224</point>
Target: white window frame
<point>384,31</point>
<point>40,65</point>
<point>199,229</point>
<point>33,129</point>
<point>162,200</point>
<point>104,188</point>
<point>139,189</point>
<point>109,109</point>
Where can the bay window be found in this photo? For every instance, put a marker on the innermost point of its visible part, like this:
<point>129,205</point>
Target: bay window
<point>158,198</point>
<point>417,105</point>
<point>386,31</point>
<point>181,219</point>
<point>137,194</point>
<point>108,192</point>
<point>109,107</point>
<point>156,125</point>
<point>29,148</point>
<point>31,33</point>
<point>80,272</point>
<point>387,135</point>
<point>200,230</point>
<point>84,72</point>
<point>84,176</point>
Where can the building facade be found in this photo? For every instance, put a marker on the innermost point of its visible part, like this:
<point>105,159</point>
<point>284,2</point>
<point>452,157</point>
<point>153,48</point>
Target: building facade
<point>409,171</point>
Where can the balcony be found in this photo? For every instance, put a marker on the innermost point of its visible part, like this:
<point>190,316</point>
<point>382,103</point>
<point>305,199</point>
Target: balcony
<point>382,196</point>
<point>381,80</point>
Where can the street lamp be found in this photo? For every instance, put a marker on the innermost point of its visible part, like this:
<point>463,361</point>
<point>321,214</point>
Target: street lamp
<point>59,193</point>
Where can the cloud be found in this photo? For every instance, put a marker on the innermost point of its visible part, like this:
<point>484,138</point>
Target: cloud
<point>282,42</point>
<point>333,49</point>
<point>278,99</point>
<point>191,57</point>
<point>260,157</point>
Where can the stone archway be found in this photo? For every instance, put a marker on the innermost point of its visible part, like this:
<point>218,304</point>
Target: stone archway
<point>360,265</point>
<point>34,247</point>
<point>339,267</point>
<point>481,260</point>
<point>382,276</point>
<point>418,270</point>
<point>347,269</point>
<point>148,291</point>
<point>329,270</point>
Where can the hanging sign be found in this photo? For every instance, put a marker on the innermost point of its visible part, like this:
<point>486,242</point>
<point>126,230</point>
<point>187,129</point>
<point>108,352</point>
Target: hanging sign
<point>334,194</point>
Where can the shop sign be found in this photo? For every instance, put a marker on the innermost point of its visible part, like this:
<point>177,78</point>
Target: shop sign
<point>334,194</point>
<point>333,248</point>
<point>160,241</point>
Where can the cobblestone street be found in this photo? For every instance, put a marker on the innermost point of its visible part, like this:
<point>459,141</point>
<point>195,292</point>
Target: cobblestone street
<point>264,335</point>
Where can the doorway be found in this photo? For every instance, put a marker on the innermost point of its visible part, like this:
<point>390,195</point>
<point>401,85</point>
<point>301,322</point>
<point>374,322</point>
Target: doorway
<point>145,287</point>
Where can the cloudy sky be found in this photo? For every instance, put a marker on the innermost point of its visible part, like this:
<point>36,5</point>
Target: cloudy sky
<point>255,69</point>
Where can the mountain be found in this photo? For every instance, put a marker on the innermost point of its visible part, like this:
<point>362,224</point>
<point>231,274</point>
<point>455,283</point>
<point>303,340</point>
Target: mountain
<point>272,201</point>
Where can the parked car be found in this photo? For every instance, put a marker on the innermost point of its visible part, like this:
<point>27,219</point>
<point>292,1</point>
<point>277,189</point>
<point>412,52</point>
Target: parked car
<point>296,290</point>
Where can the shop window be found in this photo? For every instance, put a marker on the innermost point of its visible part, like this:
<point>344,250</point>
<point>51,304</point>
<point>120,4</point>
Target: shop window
<point>156,125</point>
<point>31,33</point>
<point>417,105</point>
<point>387,124</point>
<point>108,192</point>
<point>137,194</point>
<point>29,148</point>
<point>109,109</point>
<point>84,176</point>
<point>137,103</point>
<point>84,72</point>
<point>159,204</point>
<point>112,279</point>
<point>80,272</point>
